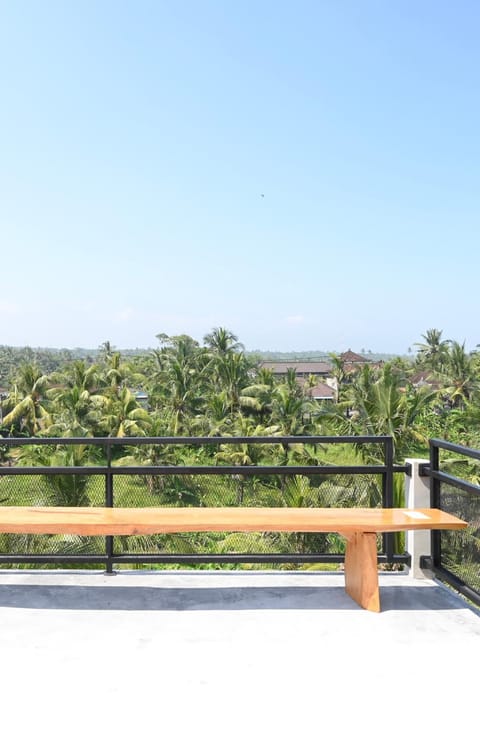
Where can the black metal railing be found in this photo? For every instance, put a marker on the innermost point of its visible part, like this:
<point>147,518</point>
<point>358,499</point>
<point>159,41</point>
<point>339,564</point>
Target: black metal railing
<point>454,472</point>
<point>186,472</point>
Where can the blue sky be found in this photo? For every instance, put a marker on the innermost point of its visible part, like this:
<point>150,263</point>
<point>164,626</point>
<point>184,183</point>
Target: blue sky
<point>306,174</point>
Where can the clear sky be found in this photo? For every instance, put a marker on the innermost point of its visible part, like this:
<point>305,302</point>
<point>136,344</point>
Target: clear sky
<point>304,173</point>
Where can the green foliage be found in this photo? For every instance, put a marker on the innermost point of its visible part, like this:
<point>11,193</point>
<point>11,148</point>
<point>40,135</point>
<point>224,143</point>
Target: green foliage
<point>62,489</point>
<point>218,389</point>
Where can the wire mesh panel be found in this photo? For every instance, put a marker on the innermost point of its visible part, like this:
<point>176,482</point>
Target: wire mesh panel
<point>246,490</point>
<point>460,550</point>
<point>48,489</point>
<point>455,475</point>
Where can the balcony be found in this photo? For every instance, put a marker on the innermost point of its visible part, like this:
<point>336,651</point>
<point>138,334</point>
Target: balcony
<point>256,648</point>
<point>238,649</point>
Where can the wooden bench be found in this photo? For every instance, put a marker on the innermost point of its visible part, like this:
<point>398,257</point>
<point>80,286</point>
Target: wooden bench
<point>359,527</point>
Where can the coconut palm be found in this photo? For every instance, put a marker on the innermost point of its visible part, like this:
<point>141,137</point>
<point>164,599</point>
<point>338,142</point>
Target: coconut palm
<point>61,489</point>
<point>459,375</point>
<point>124,417</point>
<point>222,341</point>
<point>105,352</point>
<point>176,384</point>
<point>216,418</point>
<point>338,373</point>
<point>26,407</point>
<point>79,374</point>
<point>384,404</point>
<point>290,407</point>
<point>75,412</point>
<point>228,369</point>
<point>433,351</point>
<point>76,403</point>
<point>185,400</point>
<point>256,400</point>
<point>116,373</point>
<point>230,373</point>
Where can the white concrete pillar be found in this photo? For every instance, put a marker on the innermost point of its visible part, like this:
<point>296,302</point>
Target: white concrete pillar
<point>417,496</point>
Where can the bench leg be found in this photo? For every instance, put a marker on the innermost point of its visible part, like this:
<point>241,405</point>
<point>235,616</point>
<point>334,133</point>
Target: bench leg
<point>361,571</point>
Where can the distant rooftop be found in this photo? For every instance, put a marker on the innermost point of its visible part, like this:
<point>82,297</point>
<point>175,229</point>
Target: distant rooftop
<point>321,391</point>
<point>350,357</point>
<point>301,368</point>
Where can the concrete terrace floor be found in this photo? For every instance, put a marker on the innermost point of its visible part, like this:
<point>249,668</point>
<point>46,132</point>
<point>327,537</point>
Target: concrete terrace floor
<point>233,649</point>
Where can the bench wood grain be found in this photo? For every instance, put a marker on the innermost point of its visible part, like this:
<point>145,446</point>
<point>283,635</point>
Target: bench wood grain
<point>359,526</point>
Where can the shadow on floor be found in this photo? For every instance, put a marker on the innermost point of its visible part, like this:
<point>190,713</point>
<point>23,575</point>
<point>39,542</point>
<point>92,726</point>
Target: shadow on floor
<point>71,597</point>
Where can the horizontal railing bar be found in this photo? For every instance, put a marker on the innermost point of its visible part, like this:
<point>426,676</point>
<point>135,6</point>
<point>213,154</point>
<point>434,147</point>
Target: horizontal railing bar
<point>52,558</point>
<point>184,440</point>
<point>447,478</point>
<point>459,585</point>
<point>254,558</point>
<point>191,470</point>
<point>229,558</point>
<point>125,558</point>
<point>455,448</point>
<point>249,470</point>
<point>53,470</point>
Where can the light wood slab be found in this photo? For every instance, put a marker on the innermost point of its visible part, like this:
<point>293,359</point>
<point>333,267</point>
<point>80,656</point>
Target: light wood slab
<point>91,521</point>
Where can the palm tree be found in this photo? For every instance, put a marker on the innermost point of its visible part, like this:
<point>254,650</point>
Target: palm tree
<point>106,351</point>
<point>459,375</point>
<point>247,453</point>
<point>76,403</point>
<point>256,400</point>
<point>228,366</point>
<point>230,373</point>
<point>116,373</point>
<point>64,489</point>
<point>177,385</point>
<point>185,399</point>
<point>124,417</point>
<point>75,412</point>
<point>386,405</point>
<point>433,351</point>
<point>79,374</point>
<point>221,341</point>
<point>26,406</point>
<point>216,419</point>
<point>338,373</point>
<point>289,411</point>
<point>290,407</point>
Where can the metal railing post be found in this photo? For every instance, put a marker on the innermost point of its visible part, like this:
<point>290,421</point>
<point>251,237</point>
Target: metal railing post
<point>436,542</point>
<point>387,496</point>
<point>109,503</point>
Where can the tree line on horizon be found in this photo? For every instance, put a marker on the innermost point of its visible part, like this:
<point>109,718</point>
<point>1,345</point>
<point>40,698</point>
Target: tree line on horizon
<point>50,359</point>
<point>215,388</point>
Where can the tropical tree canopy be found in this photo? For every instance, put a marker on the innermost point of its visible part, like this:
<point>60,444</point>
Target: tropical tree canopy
<point>216,388</point>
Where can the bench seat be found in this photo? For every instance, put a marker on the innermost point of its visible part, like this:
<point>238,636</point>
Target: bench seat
<point>359,526</point>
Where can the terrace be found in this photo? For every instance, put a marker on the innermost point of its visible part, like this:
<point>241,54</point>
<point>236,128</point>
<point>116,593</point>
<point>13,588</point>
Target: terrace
<point>256,647</point>
<point>213,649</point>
